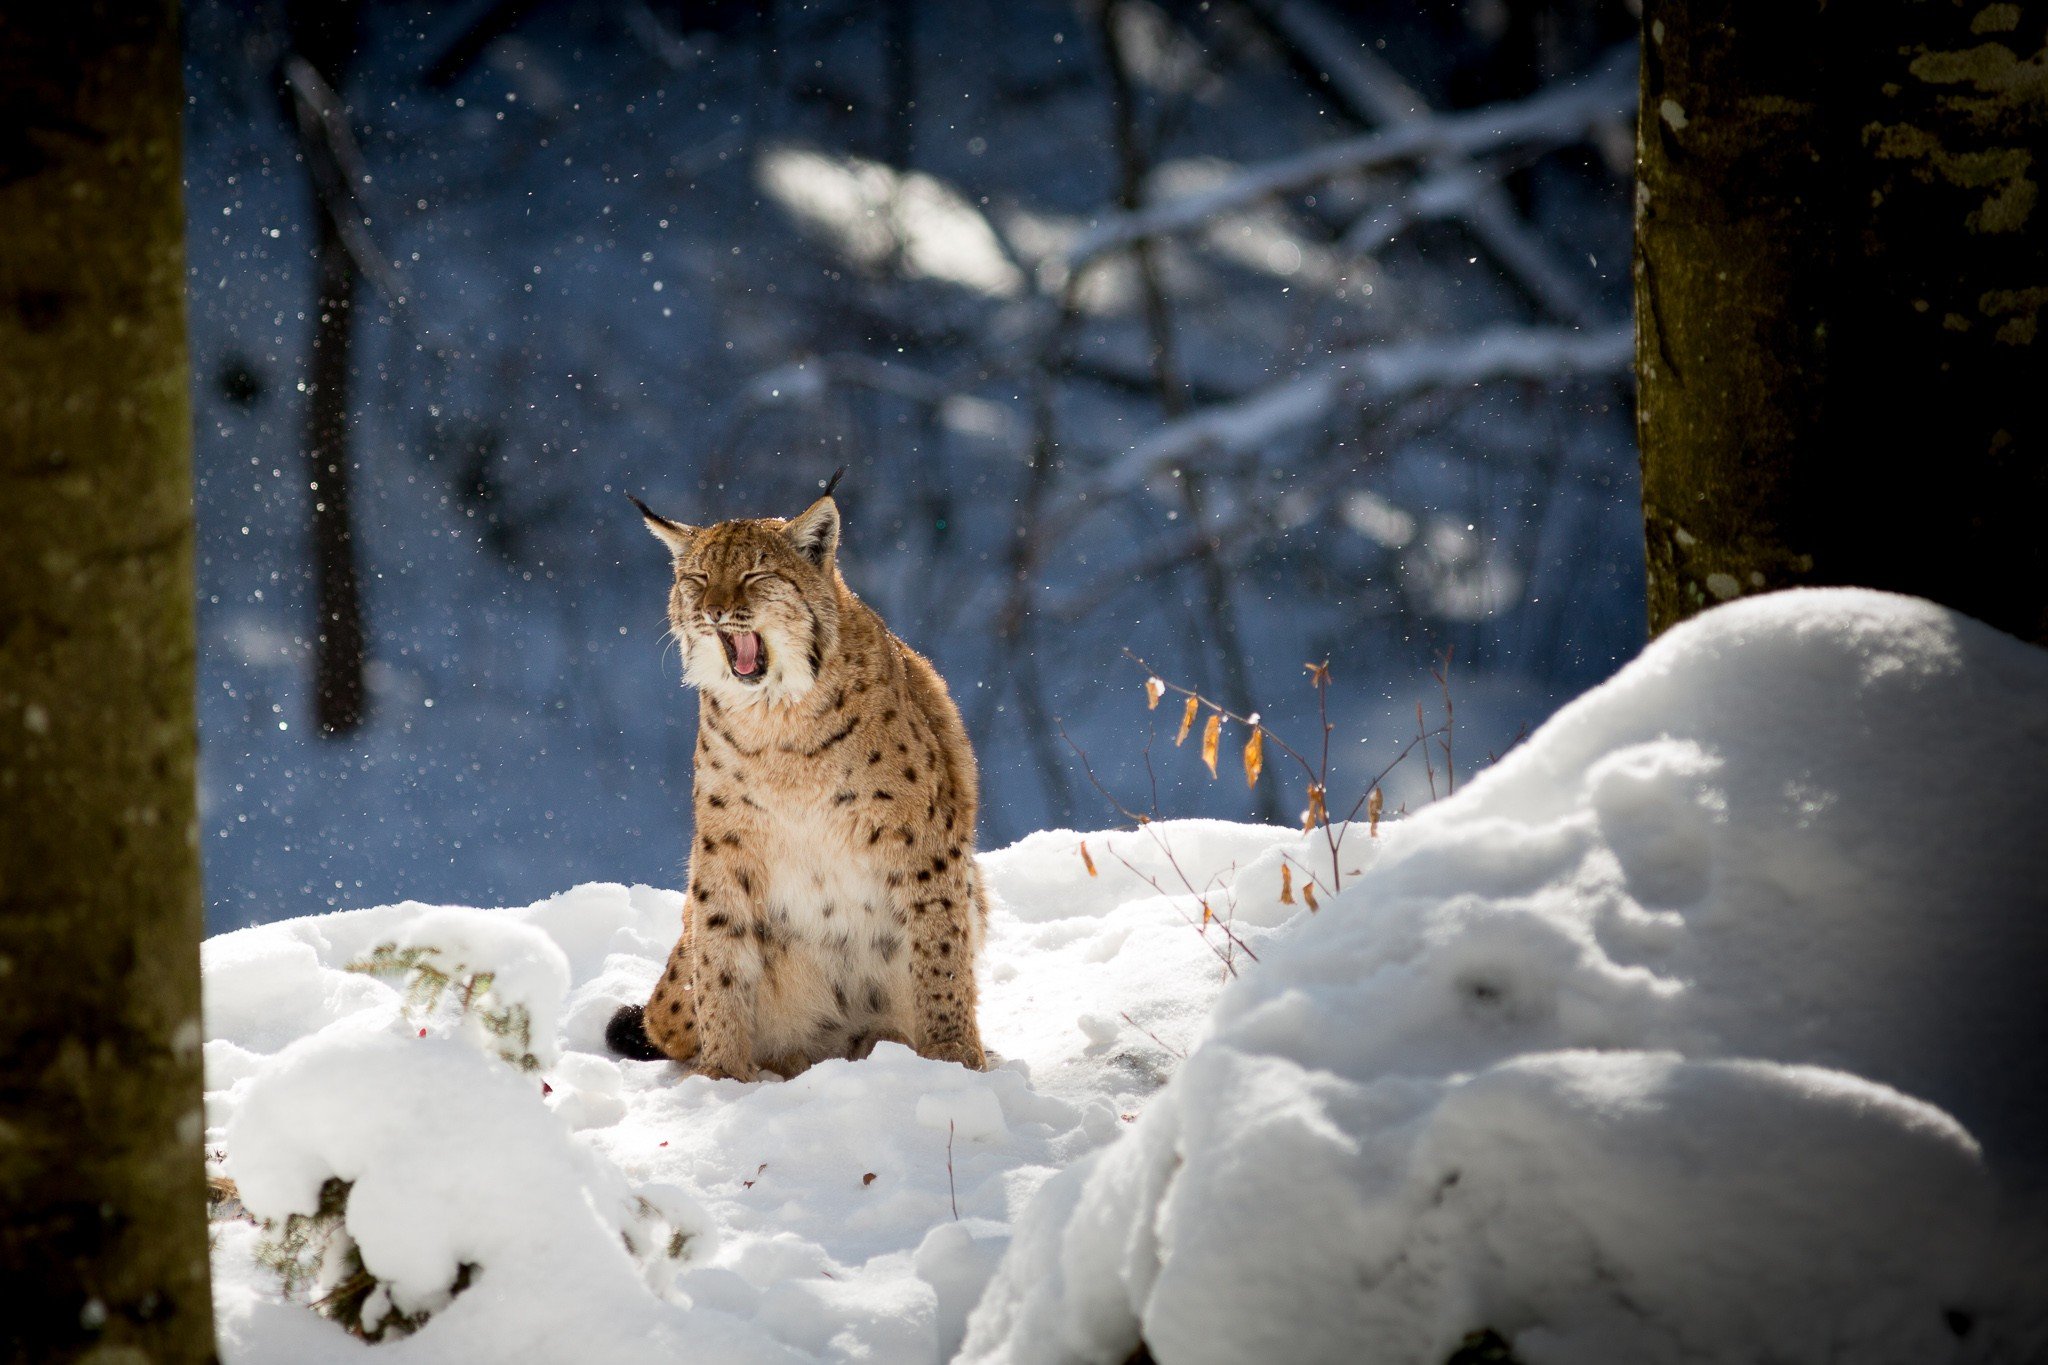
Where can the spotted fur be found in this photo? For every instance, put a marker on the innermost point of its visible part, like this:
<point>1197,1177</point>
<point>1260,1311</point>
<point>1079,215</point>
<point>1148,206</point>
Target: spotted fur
<point>834,901</point>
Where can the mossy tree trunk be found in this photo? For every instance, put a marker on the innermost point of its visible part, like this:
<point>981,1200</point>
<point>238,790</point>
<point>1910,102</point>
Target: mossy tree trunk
<point>1841,273</point>
<point>102,1192</point>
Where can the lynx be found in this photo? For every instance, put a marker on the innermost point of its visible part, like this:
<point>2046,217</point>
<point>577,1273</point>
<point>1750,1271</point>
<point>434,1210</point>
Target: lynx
<point>834,901</point>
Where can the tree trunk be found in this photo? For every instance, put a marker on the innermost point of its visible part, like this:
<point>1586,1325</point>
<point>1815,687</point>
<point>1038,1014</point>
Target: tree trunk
<point>339,697</point>
<point>102,1194</point>
<point>1841,268</point>
<point>327,34</point>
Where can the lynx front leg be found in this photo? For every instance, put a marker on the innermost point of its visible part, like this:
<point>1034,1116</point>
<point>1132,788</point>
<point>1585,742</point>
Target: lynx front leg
<point>726,960</point>
<point>944,1022</point>
<point>670,1019</point>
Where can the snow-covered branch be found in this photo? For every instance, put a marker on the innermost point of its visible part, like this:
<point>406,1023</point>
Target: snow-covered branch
<point>338,171</point>
<point>1554,116</point>
<point>1452,186</point>
<point>1369,375</point>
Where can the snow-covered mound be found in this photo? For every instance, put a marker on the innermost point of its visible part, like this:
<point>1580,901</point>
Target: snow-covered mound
<point>1708,1026</point>
<point>1705,1026</point>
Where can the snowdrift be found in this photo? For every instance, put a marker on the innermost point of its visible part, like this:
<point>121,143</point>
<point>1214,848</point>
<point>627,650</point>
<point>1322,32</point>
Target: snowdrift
<point>1704,1026</point>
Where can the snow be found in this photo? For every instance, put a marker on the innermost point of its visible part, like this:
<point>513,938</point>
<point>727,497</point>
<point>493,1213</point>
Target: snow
<point>1702,1026</point>
<point>1632,1050</point>
<point>872,211</point>
<point>819,1213</point>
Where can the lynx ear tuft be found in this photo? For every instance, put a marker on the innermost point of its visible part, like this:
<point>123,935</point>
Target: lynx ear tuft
<point>673,534</point>
<point>815,534</point>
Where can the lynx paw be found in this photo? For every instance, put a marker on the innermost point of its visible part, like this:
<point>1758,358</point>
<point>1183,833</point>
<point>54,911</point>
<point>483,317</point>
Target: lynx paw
<point>745,1071</point>
<point>967,1054</point>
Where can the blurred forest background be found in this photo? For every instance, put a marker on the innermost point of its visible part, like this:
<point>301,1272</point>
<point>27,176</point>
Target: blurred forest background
<point>1240,334</point>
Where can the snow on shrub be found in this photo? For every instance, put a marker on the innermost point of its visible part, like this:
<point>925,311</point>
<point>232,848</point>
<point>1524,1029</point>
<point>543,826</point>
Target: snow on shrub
<point>395,1171</point>
<point>1705,1026</point>
<point>504,980</point>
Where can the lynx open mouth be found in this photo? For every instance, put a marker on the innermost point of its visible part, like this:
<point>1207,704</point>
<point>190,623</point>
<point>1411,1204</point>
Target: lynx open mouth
<point>746,655</point>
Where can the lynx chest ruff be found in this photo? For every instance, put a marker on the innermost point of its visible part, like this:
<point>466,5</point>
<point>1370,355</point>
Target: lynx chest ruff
<point>833,900</point>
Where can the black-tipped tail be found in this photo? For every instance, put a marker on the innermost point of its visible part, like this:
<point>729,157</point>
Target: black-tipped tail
<point>626,1035</point>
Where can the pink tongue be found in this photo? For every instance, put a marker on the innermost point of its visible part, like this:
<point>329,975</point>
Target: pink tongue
<point>746,653</point>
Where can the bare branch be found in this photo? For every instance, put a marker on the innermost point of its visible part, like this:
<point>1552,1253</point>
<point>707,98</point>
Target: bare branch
<point>677,54</point>
<point>337,170</point>
<point>1375,374</point>
<point>1453,187</point>
<point>1249,722</point>
<point>1555,116</point>
<point>485,26</point>
<point>1153,1036</point>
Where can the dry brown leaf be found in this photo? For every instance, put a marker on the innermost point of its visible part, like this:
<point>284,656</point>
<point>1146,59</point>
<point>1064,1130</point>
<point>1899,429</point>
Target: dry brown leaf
<point>1154,690</point>
<point>1187,720</point>
<point>1087,861</point>
<point>1211,733</point>
<point>1254,756</point>
<point>1318,812</point>
<point>1207,914</point>
<point>1286,884</point>
<point>1308,893</point>
<point>1373,805</point>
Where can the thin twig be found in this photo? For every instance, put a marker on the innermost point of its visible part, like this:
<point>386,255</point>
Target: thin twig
<point>1201,927</point>
<point>952,1193</point>
<point>1443,682</point>
<point>1153,1036</point>
<point>1318,881</point>
<point>1374,785</point>
<point>1232,943</point>
<point>1318,777</point>
<point>1248,722</point>
<point>1420,738</point>
<point>1088,771</point>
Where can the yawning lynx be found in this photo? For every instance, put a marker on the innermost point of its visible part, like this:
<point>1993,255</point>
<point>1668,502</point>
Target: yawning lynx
<point>833,896</point>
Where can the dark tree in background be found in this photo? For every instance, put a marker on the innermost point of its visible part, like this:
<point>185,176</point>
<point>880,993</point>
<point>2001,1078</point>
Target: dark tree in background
<point>325,35</point>
<point>102,1199</point>
<point>1841,268</point>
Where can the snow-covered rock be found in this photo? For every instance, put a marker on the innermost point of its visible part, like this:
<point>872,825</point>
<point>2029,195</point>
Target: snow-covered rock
<point>1705,1026</point>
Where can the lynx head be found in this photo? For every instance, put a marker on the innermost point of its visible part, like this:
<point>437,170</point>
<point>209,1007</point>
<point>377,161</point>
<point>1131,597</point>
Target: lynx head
<point>755,603</point>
